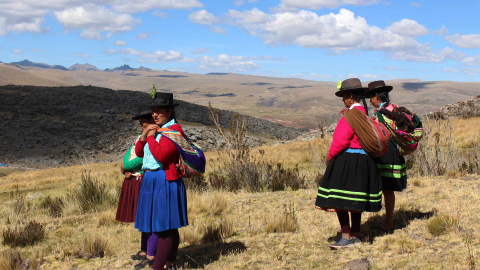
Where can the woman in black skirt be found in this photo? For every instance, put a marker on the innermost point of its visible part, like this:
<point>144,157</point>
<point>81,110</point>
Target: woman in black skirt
<point>391,166</point>
<point>351,182</point>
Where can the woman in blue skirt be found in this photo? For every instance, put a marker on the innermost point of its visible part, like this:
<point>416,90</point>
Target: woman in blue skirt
<point>162,203</point>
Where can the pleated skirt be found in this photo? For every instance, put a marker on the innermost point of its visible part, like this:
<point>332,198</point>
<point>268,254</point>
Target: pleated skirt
<point>393,170</point>
<point>162,204</point>
<point>127,203</point>
<point>351,182</point>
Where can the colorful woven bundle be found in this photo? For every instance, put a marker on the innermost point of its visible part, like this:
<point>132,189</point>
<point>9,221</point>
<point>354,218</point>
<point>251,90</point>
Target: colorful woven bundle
<point>192,160</point>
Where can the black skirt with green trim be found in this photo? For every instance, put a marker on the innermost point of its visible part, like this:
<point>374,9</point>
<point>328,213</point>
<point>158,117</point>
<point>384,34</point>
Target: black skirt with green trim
<point>393,170</point>
<point>351,182</point>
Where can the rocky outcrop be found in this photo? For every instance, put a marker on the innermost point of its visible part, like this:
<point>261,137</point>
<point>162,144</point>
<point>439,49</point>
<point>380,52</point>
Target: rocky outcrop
<point>51,126</point>
<point>464,109</point>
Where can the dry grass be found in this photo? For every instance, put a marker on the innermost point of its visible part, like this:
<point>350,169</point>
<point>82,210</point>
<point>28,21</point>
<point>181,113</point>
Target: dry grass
<point>229,230</point>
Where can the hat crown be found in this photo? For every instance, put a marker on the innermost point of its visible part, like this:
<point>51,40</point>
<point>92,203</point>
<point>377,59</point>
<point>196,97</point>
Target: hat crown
<point>163,99</point>
<point>376,84</point>
<point>352,83</point>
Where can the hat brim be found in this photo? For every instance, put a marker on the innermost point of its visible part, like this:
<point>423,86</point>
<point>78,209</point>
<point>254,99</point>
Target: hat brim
<point>145,115</point>
<point>163,105</point>
<point>353,90</point>
<point>379,90</point>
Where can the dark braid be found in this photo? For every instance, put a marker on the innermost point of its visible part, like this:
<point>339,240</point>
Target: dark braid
<point>384,98</point>
<point>365,105</point>
<point>360,97</point>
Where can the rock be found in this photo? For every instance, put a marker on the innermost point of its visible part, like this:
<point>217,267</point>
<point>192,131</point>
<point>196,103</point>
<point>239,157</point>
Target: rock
<point>359,264</point>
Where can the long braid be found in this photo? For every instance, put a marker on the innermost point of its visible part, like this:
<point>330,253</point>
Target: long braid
<point>365,105</point>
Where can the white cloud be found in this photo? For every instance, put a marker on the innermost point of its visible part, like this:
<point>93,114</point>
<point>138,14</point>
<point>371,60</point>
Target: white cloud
<point>29,15</point>
<point>337,32</point>
<point>17,51</point>
<point>290,5</point>
<point>472,61</point>
<point>160,14</point>
<point>94,20</point>
<point>219,30</point>
<point>408,28</point>
<point>157,56</point>
<point>238,3</point>
<point>142,36</point>
<point>466,71</point>
<point>312,76</point>
<point>81,55</point>
<point>465,41</point>
<point>144,5</point>
<point>35,50</point>
<point>441,31</point>
<point>228,63</point>
<point>450,70</point>
<point>201,50</point>
<point>120,43</point>
<point>202,17</point>
<point>415,4</point>
<point>109,51</point>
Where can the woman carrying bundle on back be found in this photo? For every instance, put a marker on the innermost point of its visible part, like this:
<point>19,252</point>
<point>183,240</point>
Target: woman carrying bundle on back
<point>392,167</point>
<point>351,182</point>
<point>162,204</point>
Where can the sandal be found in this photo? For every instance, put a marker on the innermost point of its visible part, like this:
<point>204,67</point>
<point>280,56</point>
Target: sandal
<point>138,257</point>
<point>144,263</point>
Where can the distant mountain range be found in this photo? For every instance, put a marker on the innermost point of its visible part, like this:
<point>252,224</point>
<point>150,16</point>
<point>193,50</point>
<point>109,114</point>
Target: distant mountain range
<point>289,101</point>
<point>77,66</point>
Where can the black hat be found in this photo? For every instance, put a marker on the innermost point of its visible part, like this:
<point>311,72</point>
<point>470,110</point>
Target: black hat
<point>144,111</point>
<point>163,99</point>
<point>377,87</point>
<point>349,85</point>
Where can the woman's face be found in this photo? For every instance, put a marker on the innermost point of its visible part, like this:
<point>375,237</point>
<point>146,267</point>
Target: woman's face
<point>375,100</point>
<point>161,115</point>
<point>144,122</point>
<point>347,99</point>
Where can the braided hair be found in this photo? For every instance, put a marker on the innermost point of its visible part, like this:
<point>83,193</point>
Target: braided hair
<point>361,97</point>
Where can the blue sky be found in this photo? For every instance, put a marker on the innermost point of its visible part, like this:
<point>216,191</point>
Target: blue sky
<point>324,40</point>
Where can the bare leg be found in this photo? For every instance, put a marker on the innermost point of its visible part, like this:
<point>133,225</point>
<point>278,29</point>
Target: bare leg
<point>389,197</point>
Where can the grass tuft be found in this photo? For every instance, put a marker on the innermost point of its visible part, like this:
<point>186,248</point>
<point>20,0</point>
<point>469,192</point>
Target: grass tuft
<point>440,224</point>
<point>287,222</point>
<point>96,246</point>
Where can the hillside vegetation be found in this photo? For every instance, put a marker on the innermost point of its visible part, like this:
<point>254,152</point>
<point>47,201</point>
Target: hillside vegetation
<point>437,225</point>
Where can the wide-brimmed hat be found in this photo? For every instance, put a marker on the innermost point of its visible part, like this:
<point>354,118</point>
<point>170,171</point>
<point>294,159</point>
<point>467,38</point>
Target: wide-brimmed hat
<point>377,87</point>
<point>349,85</point>
<point>162,99</point>
<point>143,111</point>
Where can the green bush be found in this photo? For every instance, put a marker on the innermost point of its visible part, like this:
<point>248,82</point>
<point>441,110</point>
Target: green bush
<point>54,206</point>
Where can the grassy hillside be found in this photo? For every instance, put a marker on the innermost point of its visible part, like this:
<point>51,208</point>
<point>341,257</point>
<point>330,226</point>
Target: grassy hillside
<point>293,102</point>
<point>437,221</point>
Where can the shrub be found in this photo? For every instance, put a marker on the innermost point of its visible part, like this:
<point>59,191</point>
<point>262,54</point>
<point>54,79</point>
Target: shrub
<point>282,223</point>
<point>10,260</point>
<point>440,224</point>
<point>212,234</point>
<point>106,218</point>
<point>96,246</point>
<point>25,235</point>
<point>197,183</point>
<point>91,194</point>
<point>54,206</point>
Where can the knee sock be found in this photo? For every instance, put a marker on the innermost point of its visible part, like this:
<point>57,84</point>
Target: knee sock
<point>143,241</point>
<point>356,221</point>
<point>344,221</point>
<point>152,244</point>
<point>167,248</point>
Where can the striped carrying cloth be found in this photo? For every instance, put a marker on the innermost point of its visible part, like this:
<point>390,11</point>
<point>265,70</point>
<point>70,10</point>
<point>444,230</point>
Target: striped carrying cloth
<point>192,160</point>
<point>373,136</point>
<point>405,128</point>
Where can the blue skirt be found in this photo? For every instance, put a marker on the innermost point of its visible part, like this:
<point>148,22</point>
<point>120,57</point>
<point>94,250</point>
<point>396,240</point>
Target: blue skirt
<point>162,204</point>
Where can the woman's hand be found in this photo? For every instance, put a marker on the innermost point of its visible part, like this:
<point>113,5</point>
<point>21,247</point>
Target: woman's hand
<point>128,174</point>
<point>327,161</point>
<point>148,131</point>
